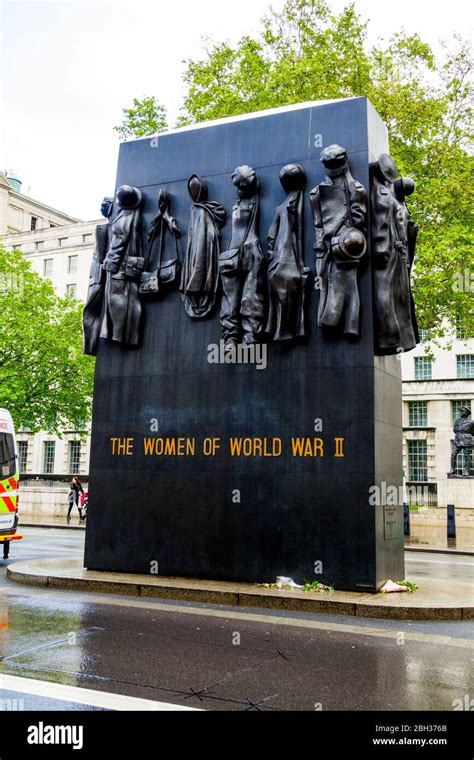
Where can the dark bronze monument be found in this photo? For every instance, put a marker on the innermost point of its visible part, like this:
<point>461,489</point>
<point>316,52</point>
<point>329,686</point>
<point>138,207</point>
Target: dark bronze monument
<point>463,441</point>
<point>215,463</point>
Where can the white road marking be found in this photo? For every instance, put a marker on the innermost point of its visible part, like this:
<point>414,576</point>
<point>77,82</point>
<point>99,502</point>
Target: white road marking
<point>82,696</point>
<point>440,562</point>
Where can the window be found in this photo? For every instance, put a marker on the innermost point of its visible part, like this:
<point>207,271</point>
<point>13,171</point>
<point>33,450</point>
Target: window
<point>461,332</point>
<point>22,455</point>
<point>423,368</point>
<point>465,366</point>
<point>49,448</point>
<point>87,238</point>
<point>456,405</point>
<point>425,335</point>
<point>47,267</point>
<point>52,225</point>
<point>418,413</point>
<point>417,461</point>
<point>71,290</point>
<point>74,457</point>
<point>7,455</point>
<point>72,264</point>
<point>39,246</point>
<point>62,242</point>
<point>34,222</point>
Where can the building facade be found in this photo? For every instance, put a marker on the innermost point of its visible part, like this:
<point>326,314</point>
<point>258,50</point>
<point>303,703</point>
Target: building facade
<point>59,247</point>
<point>433,392</point>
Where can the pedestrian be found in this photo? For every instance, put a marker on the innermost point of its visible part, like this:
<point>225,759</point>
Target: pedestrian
<point>75,488</point>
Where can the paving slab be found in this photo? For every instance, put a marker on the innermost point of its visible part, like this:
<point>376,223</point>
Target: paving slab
<point>432,601</point>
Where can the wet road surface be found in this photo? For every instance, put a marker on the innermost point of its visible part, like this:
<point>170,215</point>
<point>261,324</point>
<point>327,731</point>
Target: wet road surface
<point>223,658</point>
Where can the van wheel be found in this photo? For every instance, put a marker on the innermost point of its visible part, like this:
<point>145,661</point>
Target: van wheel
<point>6,549</point>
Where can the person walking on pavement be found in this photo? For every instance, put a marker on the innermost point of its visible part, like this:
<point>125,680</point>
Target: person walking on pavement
<point>75,489</point>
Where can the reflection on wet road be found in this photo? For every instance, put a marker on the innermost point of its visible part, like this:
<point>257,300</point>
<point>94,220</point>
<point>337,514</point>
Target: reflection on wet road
<point>228,658</point>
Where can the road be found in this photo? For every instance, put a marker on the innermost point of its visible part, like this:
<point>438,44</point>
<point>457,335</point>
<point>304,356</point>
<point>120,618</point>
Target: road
<point>220,658</point>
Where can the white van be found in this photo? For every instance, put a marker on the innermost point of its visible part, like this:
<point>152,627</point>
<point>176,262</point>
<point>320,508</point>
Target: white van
<point>9,482</point>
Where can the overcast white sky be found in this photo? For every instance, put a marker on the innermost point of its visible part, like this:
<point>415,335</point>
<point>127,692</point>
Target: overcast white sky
<point>68,69</point>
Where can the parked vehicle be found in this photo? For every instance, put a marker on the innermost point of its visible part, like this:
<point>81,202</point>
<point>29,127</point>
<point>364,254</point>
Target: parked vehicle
<point>9,483</point>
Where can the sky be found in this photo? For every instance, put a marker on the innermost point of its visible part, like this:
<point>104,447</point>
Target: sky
<point>68,69</point>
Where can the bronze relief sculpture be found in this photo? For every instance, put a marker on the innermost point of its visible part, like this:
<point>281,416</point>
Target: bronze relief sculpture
<point>242,267</point>
<point>92,315</point>
<point>393,241</point>
<point>287,273</point>
<point>200,273</point>
<point>124,264</point>
<point>160,270</point>
<point>339,206</point>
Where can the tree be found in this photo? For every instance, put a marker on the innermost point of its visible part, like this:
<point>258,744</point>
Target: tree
<point>147,117</point>
<point>45,381</point>
<point>306,52</point>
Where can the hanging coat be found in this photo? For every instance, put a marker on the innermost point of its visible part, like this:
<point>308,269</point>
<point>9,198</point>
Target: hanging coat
<point>287,273</point>
<point>200,273</point>
<point>335,207</point>
<point>393,303</point>
<point>92,315</point>
<point>123,264</point>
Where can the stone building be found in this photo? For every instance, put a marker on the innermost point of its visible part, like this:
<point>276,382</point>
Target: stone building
<point>433,392</point>
<point>58,247</point>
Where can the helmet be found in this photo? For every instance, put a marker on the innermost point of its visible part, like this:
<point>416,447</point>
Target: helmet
<point>197,188</point>
<point>128,197</point>
<point>292,177</point>
<point>349,246</point>
<point>386,167</point>
<point>403,186</point>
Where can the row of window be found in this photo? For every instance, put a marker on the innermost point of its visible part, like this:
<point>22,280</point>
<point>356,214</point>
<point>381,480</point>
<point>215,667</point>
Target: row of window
<point>464,367</point>
<point>49,455</point>
<point>39,244</point>
<point>34,223</point>
<point>71,266</point>
<point>460,332</point>
<point>418,461</point>
<point>418,411</point>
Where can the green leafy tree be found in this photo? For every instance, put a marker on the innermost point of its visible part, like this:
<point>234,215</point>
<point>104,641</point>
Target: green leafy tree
<point>147,117</point>
<point>45,381</point>
<point>307,52</point>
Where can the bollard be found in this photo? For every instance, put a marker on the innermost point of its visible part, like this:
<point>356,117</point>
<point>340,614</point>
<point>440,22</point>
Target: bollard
<point>451,521</point>
<point>406,519</point>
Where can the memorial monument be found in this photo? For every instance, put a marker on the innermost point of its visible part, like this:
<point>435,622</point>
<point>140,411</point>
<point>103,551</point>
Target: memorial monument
<point>259,462</point>
<point>463,441</point>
